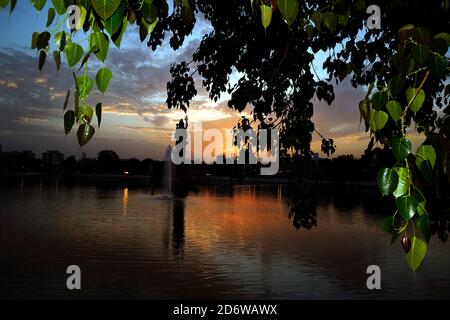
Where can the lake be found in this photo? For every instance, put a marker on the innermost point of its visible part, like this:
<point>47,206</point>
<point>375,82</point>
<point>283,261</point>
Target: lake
<point>222,241</point>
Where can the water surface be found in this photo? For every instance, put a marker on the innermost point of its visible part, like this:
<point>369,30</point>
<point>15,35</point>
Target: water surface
<point>227,242</point>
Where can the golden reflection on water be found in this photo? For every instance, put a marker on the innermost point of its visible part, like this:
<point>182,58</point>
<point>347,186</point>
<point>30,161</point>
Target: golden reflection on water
<point>125,201</point>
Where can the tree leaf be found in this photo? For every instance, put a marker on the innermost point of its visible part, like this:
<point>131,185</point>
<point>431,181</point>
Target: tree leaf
<point>98,113</point>
<point>57,58</point>
<point>187,12</point>
<point>407,206</point>
<point>444,36</point>
<point>379,99</point>
<point>62,39</point>
<point>401,148</point>
<point>38,4</point>
<point>418,101</point>
<point>394,109</point>
<point>102,79</point>
<point>85,133</point>
<point>387,181</point>
<point>403,182</point>
<point>101,42</point>
<point>85,114</point>
<point>105,8</point>
<point>50,16</point>
<point>117,38</point>
<point>3,3</point>
<point>330,21</point>
<point>420,53</point>
<point>266,15</point>
<point>85,85</point>
<point>69,121</point>
<point>388,224</point>
<point>73,52</point>
<point>416,254</point>
<point>406,32</point>
<point>42,57</point>
<point>395,86</point>
<point>34,38</point>
<point>437,65</point>
<point>426,152</point>
<point>289,10</point>
<point>66,101</point>
<point>425,161</point>
<point>378,119</point>
<point>424,226</point>
<point>42,40</point>
<point>59,6</point>
<point>113,23</point>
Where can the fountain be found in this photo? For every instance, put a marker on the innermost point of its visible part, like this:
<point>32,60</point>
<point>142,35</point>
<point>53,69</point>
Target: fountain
<point>167,173</point>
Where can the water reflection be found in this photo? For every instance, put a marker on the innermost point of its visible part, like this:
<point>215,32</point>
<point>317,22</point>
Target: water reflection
<point>218,241</point>
<point>178,227</point>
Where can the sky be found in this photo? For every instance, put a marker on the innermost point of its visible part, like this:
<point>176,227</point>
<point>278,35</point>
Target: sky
<point>136,121</point>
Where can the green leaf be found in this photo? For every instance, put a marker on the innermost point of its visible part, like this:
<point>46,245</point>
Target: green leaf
<point>395,86</point>
<point>98,113</point>
<point>42,40</point>
<point>113,24</point>
<point>62,39</point>
<point>444,36</point>
<point>426,152</point>
<point>38,4</point>
<point>150,11</point>
<point>102,79</point>
<point>73,52</point>
<point>85,114</point>
<point>406,32</point>
<point>289,10</point>
<point>66,101</point>
<point>388,224</point>
<point>85,85</point>
<point>57,58</point>
<point>3,3</point>
<point>34,38</point>
<point>378,119</point>
<point>42,57</point>
<point>117,38</point>
<point>101,41</point>
<point>316,17</point>
<point>266,15</point>
<point>407,206</point>
<point>85,133</point>
<point>422,36</point>
<point>401,148</point>
<point>437,65</point>
<point>379,99</point>
<point>105,8</point>
<point>416,254</point>
<point>82,18</point>
<point>420,53</point>
<point>403,182</point>
<point>59,6</point>
<point>50,16</point>
<point>418,101</point>
<point>425,161</point>
<point>424,226</point>
<point>187,12</point>
<point>69,121</point>
<point>394,109</point>
<point>330,21</point>
<point>387,181</point>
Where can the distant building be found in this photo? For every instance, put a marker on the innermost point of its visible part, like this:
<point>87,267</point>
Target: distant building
<point>52,158</point>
